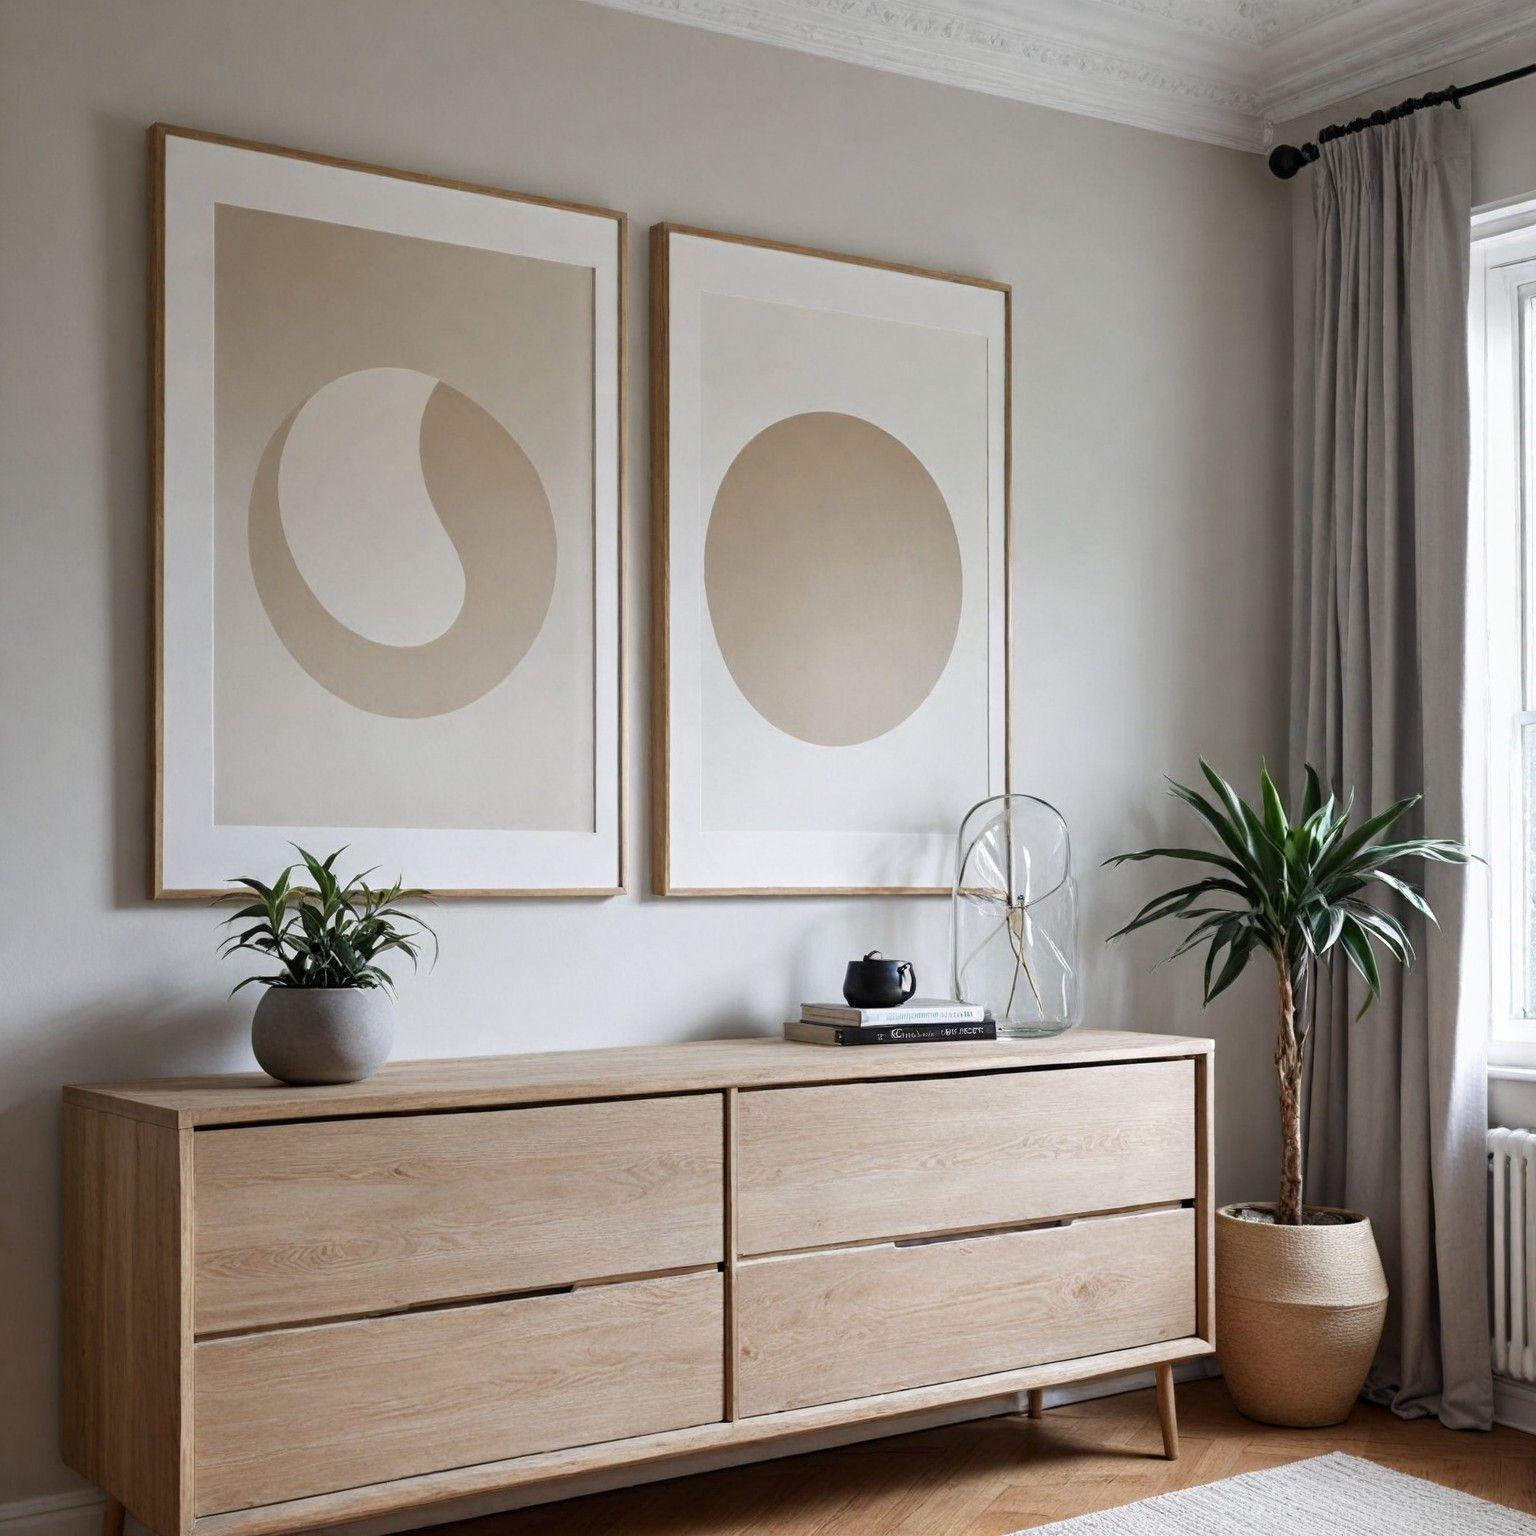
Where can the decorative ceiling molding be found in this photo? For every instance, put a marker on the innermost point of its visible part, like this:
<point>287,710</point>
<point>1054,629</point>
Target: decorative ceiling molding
<point>1220,71</point>
<point>1239,21</point>
<point>1380,43</point>
<point>1106,71</point>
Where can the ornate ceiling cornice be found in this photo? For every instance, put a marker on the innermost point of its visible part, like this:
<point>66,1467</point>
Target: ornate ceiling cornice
<point>1221,71</point>
<point>1109,73</point>
<point>1238,21</point>
<point>1377,44</point>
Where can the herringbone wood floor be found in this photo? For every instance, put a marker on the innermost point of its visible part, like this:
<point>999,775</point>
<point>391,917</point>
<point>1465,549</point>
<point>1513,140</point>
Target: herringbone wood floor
<point>1007,1474</point>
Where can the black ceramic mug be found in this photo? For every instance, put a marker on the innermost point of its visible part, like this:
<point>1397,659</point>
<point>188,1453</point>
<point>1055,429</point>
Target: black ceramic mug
<point>875,982</point>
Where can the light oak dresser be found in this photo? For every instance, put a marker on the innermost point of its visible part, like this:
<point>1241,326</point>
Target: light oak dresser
<point>291,1307</point>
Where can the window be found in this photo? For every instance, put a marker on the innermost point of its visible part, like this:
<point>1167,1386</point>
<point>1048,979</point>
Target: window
<point>1503,383</point>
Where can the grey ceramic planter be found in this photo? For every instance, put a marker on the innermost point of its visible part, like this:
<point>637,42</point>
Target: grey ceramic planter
<point>310,1035</point>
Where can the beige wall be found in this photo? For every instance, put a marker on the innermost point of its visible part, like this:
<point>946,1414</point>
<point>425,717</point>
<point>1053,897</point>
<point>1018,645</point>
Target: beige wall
<point>1151,282</point>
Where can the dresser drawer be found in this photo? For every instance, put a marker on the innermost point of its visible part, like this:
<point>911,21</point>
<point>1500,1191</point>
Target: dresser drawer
<point>344,1217</point>
<point>288,1414</point>
<point>820,1328</point>
<point>859,1161</point>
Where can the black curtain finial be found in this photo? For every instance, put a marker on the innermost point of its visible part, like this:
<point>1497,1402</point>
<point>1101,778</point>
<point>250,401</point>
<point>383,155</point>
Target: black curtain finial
<point>1286,159</point>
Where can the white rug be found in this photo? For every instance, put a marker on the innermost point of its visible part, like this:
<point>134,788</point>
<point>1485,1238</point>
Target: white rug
<point>1335,1495</point>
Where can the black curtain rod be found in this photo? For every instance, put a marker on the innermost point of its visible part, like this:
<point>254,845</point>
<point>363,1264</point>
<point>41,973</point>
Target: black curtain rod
<point>1286,159</point>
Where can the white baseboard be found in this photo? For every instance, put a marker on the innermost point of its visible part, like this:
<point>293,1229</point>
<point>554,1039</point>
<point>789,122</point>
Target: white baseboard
<point>1514,1404</point>
<point>79,1514</point>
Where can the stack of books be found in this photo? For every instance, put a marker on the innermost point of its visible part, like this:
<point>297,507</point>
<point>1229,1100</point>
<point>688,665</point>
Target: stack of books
<point>921,1020</point>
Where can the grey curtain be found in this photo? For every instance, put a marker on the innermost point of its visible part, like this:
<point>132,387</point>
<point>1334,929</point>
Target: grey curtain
<point>1396,1102</point>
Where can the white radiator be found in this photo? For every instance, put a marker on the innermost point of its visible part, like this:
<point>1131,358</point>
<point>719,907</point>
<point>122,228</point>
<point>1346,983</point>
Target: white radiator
<point>1512,1155</point>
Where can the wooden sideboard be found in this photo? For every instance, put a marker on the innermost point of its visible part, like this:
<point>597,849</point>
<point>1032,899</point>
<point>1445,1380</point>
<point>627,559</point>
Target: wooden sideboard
<point>291,1307</point>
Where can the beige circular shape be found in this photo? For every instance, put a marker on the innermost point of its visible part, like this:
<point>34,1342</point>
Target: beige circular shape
<point>832,573</point>
<point>494,511</point>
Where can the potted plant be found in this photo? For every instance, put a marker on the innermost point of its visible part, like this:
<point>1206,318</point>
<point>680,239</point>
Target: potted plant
<point>1300,1292</point>
<point>327,1015</point>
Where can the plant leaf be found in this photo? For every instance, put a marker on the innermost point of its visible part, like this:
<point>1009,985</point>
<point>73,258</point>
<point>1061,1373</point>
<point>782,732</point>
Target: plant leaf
<point>1358,948</point>
<point>1365,833</point>
<point>1274,812</point>
<point>327,934</point>
<point>1233,835</point>
<point>1199,934</point>
<point>1237,960</point>
<point>1414,898</point>
<point>1385,928</point>
<point>1312,796</point>
<point>1172,903</point>
<point>1193,855</point>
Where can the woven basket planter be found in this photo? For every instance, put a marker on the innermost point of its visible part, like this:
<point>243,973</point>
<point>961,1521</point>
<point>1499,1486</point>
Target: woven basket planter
<point>1299,1312</point>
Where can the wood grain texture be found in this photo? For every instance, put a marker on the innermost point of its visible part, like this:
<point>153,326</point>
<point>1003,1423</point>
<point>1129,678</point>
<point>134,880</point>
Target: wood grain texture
<point>816,1328</point>
<point>344,1217</point>
<point>696,232</point>
<point>621,506</point>
<point>1001,1474</point>
<point>1205,1197</point>
<point>548,1470</point>
<point>289,1414</point>
<point>1008,694</point>
<point>732,1250</point>
<point>661,405</point>
<point>162,131</point>
<point>158,134</point>
<point>127,1313</point>
<point>1167,1412</point>
<point>661,573</point>
<point>825,1165</point>
<point>640,1071</point>
<point>155,317</point>
<point>399,1412</point>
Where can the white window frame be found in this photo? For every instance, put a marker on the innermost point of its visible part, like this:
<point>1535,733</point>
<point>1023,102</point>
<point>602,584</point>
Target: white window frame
<point>1502,377</point>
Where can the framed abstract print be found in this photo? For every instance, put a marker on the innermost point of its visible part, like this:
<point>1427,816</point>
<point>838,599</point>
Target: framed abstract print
<point>830,464</point>
<point>387,474</point>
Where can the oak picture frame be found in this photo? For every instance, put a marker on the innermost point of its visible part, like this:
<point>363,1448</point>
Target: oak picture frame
<point>663,881</point>
<point>158,135</point>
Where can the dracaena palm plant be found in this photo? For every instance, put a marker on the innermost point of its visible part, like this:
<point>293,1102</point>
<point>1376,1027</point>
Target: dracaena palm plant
<point>1293,890</point>
<point>331,933</point>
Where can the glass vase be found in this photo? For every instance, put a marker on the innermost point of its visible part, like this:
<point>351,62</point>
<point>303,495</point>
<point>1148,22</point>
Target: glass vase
<point>1013,917</point>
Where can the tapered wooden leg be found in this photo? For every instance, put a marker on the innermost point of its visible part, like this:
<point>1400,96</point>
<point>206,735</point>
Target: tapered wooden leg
<point>1037,1402</point>
<point>1167,1412</point>
<point>112,1518</point>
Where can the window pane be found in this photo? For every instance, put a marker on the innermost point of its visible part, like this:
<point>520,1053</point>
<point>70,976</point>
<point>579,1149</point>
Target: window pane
<point>1526,958</point>
<point>1527,484</point>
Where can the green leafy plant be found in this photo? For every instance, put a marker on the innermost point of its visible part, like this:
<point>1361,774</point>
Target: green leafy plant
<point>1292,890</point>
<point>327,934</point>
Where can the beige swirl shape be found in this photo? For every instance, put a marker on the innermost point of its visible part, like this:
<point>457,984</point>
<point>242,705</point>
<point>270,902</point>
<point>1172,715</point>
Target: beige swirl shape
<point>496,514</point>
